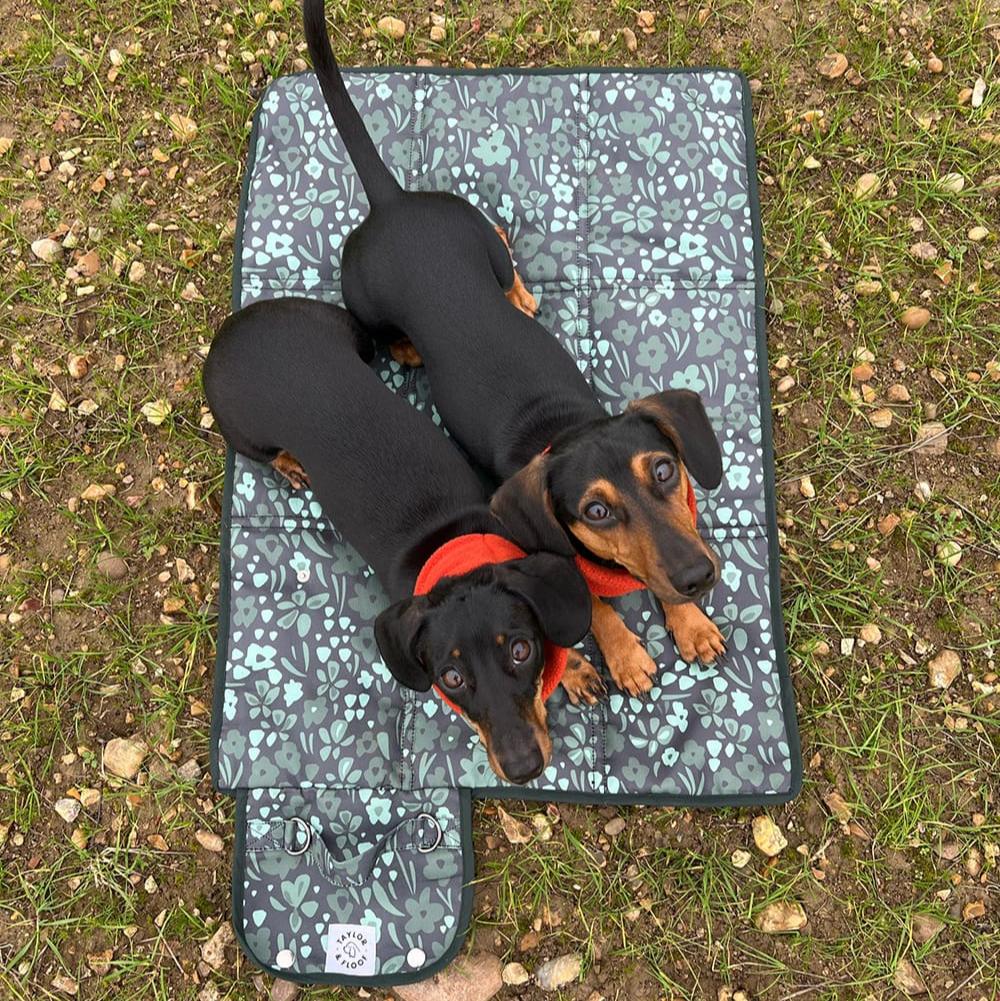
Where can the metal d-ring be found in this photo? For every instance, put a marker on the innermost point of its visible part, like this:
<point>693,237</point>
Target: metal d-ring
<point>437,837</point>
<point>300,825</point>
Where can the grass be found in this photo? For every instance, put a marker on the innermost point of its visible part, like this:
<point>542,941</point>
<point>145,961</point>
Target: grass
<point>660,910</point>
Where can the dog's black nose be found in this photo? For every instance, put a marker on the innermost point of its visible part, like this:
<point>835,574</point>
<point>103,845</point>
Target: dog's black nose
<point>523,764</point>
<point>694,579</point>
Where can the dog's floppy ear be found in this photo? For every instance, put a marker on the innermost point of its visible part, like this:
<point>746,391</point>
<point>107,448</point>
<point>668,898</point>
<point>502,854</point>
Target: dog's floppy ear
<point>397,631</point>
<point>680,416</point>
<point>523,506</point>
<point>556,592</point>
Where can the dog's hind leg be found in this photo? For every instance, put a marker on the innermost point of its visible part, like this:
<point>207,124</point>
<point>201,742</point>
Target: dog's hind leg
<point>291,469</point>
<point>518,294</point>
<point>405,353</point>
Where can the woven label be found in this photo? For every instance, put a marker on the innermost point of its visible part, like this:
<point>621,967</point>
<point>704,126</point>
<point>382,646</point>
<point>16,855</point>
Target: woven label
<point>350,949</point>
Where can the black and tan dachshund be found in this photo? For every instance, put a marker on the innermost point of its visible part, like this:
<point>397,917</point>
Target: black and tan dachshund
<point>287,378</point>
<point>429,267</point>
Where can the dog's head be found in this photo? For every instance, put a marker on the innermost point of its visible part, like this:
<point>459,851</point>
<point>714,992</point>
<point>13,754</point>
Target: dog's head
<point>617,488</point>
<point>480,638</point>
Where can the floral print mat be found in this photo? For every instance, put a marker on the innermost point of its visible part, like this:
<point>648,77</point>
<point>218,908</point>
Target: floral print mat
<point>630,199</point>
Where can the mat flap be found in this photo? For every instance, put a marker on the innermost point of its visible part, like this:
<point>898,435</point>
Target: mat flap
<point>352,886</point>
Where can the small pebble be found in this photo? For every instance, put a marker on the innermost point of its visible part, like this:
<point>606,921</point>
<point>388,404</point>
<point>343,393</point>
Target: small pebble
<point>209,841</point>
<point>915,317</point>
<point>866,186</point>
<point>514,974</point>
<point>978,92</point>
<point>392,26</point>
<point>559,972</point>
<point>111,566</point>
<point>832,65</point>
<point>768,836</point>
<point>781,918</point>
<point>68,809</point>
<point>614,827</point>
<point>951,183</point>
<point>949,552</point>
<point>932,439</point>
<point>47,250</point>
<point>871,634</point>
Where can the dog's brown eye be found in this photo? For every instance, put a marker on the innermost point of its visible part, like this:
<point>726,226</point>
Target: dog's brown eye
<point>596,511</point>
<point>663,470</point>
<point>452,679</point>
<point>520,651</point>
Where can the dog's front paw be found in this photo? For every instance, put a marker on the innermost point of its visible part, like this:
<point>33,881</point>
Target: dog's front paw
<point>696,636</point>
<point>582,681</point>
<point>632,669</point>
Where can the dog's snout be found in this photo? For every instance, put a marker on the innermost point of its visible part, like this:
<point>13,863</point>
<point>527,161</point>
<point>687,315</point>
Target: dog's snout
<point>523,763</point>
<point>694,579</point>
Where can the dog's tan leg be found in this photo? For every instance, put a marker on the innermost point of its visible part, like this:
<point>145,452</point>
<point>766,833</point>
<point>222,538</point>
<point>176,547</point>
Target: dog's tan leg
<point>581,680</point>
<point>291,469</point>
<point>518,294</point>
<point>696,636</point>
<point>405,353</point>
<point>632,669</point>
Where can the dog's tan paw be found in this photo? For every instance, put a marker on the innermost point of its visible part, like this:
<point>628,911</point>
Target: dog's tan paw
<point>632,669</point>
<point>521,298</point>
<point>405,353</point>
<point>582,681</point>
<point>291,469</point>
<point>696,636</point>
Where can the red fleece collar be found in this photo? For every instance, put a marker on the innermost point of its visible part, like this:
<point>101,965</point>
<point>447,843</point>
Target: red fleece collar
<point>609,582</point>
<point>465,553</point>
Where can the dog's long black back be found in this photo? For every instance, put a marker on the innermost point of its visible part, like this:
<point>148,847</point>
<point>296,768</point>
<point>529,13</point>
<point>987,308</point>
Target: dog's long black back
<point>378,182</point>
<point>287,375</point>
<point>429,265</point>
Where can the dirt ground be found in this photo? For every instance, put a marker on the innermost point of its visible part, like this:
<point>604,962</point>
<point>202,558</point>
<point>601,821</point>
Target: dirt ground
<point>123,129</point>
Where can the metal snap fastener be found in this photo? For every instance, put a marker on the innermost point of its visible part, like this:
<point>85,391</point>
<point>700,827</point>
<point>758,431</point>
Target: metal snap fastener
<point>438,833</point>
<point>284,959</point>
<point>302,576</point>
<point>300,827</point>
<point>416,957</point>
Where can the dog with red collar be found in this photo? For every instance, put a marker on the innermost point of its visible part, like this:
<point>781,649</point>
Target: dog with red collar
<point>614,490</point>
<point>473,615</point>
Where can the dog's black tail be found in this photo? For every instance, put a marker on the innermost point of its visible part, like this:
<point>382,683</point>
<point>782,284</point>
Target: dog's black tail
<point>378,182</point>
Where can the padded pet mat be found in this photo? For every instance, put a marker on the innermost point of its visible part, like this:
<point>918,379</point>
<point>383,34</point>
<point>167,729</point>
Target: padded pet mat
<point>630,199</point>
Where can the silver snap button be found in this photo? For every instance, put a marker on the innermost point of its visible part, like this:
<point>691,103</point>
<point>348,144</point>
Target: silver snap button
<point>416,958</point>
<point>302,576</point>
<point>284,959</point>
<point>437,833</point>
<point>301,838</point>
